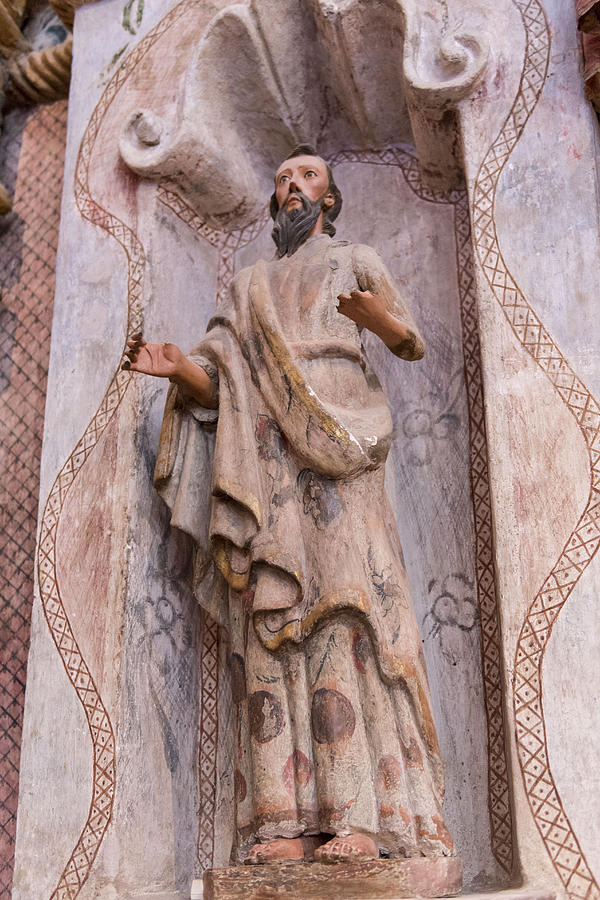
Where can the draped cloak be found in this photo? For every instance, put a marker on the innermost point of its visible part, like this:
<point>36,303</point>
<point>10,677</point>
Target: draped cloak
<point>302,538</point>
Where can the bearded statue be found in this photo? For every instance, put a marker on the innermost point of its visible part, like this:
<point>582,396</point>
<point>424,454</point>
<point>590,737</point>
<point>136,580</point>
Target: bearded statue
<point>277,423</point>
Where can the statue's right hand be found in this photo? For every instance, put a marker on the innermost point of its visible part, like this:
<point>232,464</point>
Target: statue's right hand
<point>161,360</point>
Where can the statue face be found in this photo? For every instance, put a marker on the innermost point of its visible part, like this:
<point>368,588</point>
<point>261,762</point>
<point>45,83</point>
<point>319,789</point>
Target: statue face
<point>307,174</point>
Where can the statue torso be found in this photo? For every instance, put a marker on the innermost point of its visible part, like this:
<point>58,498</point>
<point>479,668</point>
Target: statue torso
<point>305,287</point>
<point>326,345</point>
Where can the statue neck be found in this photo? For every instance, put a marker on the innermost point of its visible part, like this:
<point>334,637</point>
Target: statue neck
<point>318,227</point>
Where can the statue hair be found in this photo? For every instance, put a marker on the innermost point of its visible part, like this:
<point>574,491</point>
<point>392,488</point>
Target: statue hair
<point>328,214</point>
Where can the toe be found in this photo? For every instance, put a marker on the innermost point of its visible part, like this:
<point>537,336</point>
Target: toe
<point>344,850</point>
<point>253,856</point>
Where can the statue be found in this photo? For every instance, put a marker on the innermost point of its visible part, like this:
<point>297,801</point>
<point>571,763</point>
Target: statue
<point>336,754</point>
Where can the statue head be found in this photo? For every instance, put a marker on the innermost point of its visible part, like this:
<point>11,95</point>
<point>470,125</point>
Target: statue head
<point>306,199</point>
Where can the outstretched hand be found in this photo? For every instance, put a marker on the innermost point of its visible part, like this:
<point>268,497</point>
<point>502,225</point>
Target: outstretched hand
<point>161,360</point>
<point>167,361</point>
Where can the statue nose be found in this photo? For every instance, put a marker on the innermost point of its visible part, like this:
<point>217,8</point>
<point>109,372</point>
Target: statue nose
<point>293,188</point>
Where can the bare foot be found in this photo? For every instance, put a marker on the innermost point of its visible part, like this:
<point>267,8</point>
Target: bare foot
<point>350,848</point>
<point>282,849</point>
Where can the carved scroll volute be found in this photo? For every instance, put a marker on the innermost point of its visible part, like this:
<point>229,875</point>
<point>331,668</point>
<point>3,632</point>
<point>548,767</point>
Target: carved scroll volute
<point>446,53</point>
<point>209,168</point>
<point>230,132</point>
<point>280,72</point>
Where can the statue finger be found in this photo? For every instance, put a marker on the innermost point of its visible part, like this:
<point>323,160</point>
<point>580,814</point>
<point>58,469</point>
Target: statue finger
<point>132,354</point>
<point>125,365</point>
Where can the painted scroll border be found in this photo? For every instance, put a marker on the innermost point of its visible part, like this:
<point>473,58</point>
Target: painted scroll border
<point>545,803</point>
<point>499,797</point>
<point>81,859</point>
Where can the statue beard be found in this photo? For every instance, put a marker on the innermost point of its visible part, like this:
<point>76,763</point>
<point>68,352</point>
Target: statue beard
<point>293,227</point>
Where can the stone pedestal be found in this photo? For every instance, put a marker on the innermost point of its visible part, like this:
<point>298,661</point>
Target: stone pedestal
<point>198,893</point>
<point>382,878</point>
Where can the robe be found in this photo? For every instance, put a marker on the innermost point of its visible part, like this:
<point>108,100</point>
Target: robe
<point>334,729</point>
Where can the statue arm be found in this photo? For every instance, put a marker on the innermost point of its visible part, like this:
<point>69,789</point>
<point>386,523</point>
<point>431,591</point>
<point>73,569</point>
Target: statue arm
<point>167,361</point>
<point>378,306</point>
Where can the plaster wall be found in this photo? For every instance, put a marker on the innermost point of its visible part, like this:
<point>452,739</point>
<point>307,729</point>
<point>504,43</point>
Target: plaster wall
<point>126,644</point>
<point>535,225</point>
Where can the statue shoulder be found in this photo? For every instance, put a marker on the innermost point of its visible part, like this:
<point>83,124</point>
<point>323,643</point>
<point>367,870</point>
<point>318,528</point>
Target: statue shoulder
<point>243,276</point>
<point>366,259</point>
<point>240,283</point>
<point>241,280</point>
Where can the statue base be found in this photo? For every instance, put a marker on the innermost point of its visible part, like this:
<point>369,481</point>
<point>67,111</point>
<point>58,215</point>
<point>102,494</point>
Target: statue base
<point>385,879</point>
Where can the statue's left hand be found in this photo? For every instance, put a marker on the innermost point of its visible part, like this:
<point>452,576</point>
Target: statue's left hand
<point>369,311</point>
<point>364,308</point>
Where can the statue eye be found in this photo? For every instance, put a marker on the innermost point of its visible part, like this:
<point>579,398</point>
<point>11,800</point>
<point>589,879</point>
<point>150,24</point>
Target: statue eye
<point>283,178</point>
<point>310,172</point>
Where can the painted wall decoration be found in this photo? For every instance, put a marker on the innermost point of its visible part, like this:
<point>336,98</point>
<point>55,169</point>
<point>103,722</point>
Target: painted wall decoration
<point>546,806</point>
<point>461,605</point>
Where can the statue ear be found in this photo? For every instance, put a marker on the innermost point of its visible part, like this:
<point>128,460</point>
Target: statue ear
<point>328,200</point>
